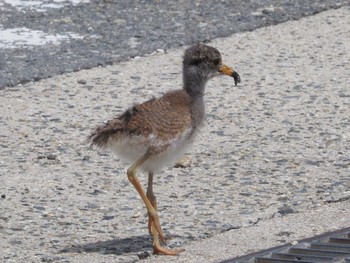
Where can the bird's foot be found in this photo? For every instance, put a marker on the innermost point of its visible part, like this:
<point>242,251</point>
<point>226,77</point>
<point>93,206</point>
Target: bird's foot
<point>159,250</point>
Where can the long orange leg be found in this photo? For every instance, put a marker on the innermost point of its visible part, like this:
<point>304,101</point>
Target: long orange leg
<point>154,224</point>
<point>136,183</point>
<point>152,198</point>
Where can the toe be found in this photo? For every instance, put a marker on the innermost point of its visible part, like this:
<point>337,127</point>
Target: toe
<point>166,251</point>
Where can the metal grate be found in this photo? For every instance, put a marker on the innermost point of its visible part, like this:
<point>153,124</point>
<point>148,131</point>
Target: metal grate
<point>329,247</point>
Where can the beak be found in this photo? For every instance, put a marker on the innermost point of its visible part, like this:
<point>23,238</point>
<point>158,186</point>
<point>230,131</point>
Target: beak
<point>226,70</point>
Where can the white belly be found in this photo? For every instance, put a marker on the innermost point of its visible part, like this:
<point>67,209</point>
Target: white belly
<point>132,149</point>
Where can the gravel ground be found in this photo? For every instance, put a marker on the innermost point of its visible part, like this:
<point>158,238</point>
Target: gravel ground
<point>102,32</point>
<point>274,147</point>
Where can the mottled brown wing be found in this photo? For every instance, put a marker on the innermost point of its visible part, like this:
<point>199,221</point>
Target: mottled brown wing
<point>102,133</point>
<point>165,118</point>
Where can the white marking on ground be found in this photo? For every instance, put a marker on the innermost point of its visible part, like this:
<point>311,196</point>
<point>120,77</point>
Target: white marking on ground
<point>41,5</point>
<point>24,37</point>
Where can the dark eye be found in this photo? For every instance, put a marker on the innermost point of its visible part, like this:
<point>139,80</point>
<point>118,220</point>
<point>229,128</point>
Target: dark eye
<point>216,61</point>
<point>196,61</point>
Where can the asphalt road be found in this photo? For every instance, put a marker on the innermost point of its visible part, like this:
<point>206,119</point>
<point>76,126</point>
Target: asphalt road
<point>40,39</point>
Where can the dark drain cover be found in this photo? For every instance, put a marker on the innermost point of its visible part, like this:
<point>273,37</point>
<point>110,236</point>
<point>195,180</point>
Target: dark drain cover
<point>329,247</point>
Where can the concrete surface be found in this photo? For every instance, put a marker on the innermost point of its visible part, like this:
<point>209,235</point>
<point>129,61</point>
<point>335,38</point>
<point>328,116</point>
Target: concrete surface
<point>270,166</point>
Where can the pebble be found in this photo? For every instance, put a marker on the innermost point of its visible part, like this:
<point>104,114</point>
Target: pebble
<point>184,162</point>
<point>107,217</point>
<point>285,209</point>
<point>51,157</point>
